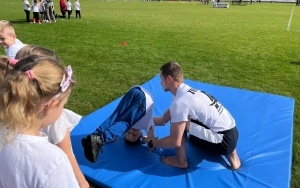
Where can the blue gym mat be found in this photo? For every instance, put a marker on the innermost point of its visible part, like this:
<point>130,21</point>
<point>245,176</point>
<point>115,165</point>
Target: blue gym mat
<point>265,125</point>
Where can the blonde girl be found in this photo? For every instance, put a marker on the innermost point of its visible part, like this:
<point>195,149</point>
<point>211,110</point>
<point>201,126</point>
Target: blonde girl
<point>31,99</point>
<point>59,132</point>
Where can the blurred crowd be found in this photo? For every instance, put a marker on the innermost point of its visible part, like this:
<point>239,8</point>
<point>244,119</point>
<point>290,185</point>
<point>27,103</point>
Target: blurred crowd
<point>44,11</point>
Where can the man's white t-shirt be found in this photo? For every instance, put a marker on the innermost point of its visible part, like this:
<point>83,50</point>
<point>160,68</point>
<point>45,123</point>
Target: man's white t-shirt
<point>194,104</point>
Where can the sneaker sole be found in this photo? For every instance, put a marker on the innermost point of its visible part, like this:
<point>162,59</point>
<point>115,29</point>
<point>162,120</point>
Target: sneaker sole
<point>87,150</point>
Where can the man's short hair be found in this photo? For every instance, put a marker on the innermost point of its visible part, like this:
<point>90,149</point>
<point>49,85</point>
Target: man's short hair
<point>133,143</point>
<point>173,69</point>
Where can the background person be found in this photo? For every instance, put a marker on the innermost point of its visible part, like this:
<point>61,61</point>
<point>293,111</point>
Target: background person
<point>27,8</point>
<point>63,8</point>
<point>69,8</point>
<point>8,39</point>
<point>77,9</point>
<point>36,11</point>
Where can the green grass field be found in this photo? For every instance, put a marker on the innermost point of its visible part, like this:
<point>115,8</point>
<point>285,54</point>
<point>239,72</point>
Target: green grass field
<point>253,47</point>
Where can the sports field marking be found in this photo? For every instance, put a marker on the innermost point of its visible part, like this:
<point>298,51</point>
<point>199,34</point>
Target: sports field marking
<point>290,21</point>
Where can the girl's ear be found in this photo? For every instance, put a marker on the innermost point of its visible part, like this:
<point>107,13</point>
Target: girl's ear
<point>52,105</point>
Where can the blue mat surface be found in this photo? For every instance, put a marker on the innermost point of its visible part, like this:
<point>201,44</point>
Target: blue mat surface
<point>265,124</point>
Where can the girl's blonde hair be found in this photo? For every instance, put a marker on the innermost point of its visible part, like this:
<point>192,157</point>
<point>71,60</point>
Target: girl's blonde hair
<point>4,66</point>
<point>26,91</point>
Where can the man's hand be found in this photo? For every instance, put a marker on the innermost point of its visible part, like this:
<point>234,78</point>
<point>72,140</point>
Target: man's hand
<point>146,139</point>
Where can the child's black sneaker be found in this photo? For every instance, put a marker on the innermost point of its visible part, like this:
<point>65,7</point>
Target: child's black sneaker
<point>92,146</point>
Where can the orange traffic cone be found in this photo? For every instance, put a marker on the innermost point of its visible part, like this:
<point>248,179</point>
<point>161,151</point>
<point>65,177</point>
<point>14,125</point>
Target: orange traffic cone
<point>124,43</point>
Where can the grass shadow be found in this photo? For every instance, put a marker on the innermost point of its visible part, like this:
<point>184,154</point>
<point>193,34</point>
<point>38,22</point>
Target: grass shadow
<point>295,62</point>
<point>17,22</point>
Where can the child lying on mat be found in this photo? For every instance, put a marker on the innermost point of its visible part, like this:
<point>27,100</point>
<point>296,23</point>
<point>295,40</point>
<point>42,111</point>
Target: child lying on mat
<point>209,123</point>
<point>133,114</point>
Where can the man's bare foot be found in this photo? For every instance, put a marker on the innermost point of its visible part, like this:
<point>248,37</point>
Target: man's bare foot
<point>173,161</point>
<point>234,160</point>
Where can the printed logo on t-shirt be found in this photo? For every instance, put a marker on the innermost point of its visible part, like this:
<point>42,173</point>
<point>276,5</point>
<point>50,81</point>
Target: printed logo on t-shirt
<point>215,102</point>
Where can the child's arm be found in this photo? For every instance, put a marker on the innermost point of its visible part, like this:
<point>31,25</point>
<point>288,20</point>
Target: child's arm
<point>27,4</point>
<point>66,146</point>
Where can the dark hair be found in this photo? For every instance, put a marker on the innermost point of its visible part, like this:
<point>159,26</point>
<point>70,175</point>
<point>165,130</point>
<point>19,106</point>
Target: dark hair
<point>133,143</point>
<point>172,69</point>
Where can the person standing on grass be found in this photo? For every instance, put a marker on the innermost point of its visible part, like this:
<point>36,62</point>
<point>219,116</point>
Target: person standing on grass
<point>63,8</point>
<point>77,9</point>
<point>42,10</point>
<point>36,11</point>
<point>27,8</point>
<point>33,99</point>
<point>49,11</point>
<point>8,39</point>
<point>208,122</point>
<point>69,9</point>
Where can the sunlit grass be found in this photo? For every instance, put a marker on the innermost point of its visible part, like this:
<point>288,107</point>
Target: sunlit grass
<point>245,47</point>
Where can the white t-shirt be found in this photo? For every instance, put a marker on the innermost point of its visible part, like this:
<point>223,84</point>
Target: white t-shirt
<point>12,50</point>
<point>194,104</point>
<point>26,5</point>
<point>31,161</point>
<point>77,5</point>
<point>36,7</point>
<point>57,131</point>
<point>42,7</point>
<point>69,5</point>
<point>146,121</point>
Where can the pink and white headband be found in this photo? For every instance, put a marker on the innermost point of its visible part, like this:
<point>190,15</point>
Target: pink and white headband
<point>64,83</point>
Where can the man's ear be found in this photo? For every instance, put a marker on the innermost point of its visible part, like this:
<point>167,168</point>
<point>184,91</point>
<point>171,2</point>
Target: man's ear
<point>169,78</point>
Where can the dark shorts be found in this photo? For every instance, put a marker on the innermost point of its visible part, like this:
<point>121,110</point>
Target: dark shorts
<point>228,144</point>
